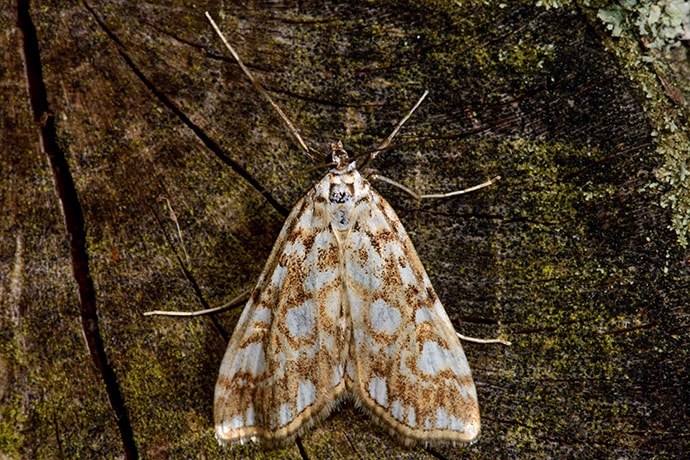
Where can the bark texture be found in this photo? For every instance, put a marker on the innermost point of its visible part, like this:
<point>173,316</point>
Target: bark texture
<point>184,175</point>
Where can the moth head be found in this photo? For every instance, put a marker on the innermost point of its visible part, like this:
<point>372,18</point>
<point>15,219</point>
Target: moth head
<point>339,156</point>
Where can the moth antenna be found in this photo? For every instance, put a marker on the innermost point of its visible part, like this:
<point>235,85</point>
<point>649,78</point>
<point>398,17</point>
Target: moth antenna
<point>261,89</point>
<point>384,145</point>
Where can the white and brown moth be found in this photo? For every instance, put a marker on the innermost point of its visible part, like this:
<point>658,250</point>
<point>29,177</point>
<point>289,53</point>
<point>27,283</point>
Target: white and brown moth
<point>344,309</point>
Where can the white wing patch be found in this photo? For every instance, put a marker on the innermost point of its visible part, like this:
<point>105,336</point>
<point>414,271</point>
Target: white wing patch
<point>344,308</point>
<point>300,320</point>
<point>384,318</point>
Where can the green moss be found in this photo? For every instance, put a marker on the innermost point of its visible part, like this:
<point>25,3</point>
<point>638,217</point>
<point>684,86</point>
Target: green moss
<point>12,416</point>
<point>657,26</point>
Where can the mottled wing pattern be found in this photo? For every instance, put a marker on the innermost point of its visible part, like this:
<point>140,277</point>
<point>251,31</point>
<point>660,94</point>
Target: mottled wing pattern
<point>406,364</point>
<point>280,371</point>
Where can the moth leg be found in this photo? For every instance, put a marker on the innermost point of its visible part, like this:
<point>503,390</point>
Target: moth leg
<point>419,196</point>
<point>484,341</point>
<point>238,301</point>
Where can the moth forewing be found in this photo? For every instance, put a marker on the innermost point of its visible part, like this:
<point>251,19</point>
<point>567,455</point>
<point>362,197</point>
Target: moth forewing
<point>411,371</point>
<point>278,372</point>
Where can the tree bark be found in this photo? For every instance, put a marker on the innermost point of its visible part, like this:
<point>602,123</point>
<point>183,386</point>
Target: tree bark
<point>185,174</point>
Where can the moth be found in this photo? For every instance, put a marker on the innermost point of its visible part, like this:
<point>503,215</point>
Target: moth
<point>344,309</point>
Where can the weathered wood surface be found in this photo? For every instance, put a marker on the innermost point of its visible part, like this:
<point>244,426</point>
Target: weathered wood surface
<point>180,165</point>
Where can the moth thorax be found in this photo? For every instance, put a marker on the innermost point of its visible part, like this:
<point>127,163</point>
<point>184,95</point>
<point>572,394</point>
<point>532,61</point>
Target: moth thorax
<point>342,202</point>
